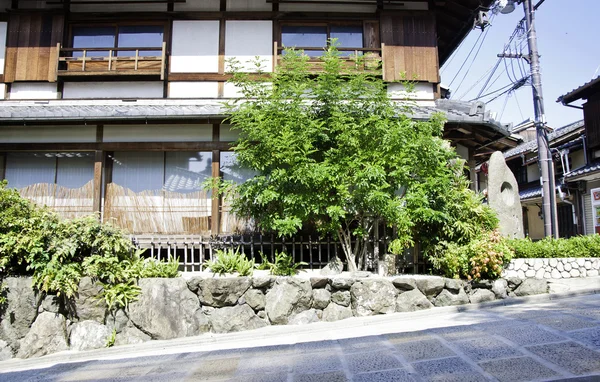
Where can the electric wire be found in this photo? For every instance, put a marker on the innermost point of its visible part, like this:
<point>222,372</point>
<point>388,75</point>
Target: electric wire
<point>469,55</point>
<point>476,54</point>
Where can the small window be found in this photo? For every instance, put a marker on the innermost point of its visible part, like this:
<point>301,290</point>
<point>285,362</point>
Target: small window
<point>93,37</point>
<point>121,36</point>
<point>305,37</point>
<point>348,36</point>
<point>316,37</point>
<point>140,36</point>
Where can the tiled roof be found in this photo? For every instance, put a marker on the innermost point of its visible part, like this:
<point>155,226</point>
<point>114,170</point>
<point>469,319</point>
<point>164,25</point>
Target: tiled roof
<point>64,110</point>
<point>585,170</point>
<point>578,93</point>
<point>532,145</point>
<point>531,193</point>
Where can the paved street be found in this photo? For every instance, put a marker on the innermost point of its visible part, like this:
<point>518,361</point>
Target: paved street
<point>540,339</point>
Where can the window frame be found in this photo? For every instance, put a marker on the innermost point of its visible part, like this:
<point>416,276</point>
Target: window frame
<point>117,25</point>
<point>327,25</point>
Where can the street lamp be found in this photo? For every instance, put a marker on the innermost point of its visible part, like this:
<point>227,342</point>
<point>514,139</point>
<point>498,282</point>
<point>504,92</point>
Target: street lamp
<point>507,6</point>
<point>544,155</point>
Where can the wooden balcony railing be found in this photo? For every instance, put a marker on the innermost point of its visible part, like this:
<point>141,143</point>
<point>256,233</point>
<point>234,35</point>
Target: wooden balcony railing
<point>355,59</point>
<point>111,62</point>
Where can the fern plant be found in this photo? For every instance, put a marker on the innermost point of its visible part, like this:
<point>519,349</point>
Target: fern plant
<point>120,295</point>
<point>284,264</point>
<point>230,261</point>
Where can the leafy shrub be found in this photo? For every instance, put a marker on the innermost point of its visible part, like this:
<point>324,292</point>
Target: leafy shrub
<point>577,246</point>
<point>284,264</point>
<point>57,253</point>
<point>482,258</point>
<point>230,261</point>
<point>120,295</point>
<point>110,341</point>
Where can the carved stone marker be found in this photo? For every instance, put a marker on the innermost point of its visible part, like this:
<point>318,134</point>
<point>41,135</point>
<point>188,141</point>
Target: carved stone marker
<point>503,197</point>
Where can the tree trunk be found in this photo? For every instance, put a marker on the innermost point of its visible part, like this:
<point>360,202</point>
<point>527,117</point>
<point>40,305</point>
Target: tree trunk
<point>345,238</point>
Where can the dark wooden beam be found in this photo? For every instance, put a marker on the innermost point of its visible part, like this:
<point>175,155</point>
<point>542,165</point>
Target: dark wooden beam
<point>117,146</point>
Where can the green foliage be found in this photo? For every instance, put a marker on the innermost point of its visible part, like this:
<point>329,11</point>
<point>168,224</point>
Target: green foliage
<point>110,341</point>
<point>2,294</point>
<point>57,253</point>
<point>120,295</point>
<point>230,261</point>
<point>577,246</point>
<point>284,264</point>
<point>333,152</point>
<point>484,257</point>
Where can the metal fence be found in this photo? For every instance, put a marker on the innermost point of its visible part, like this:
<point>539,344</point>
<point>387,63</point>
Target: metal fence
<point>193,252</point>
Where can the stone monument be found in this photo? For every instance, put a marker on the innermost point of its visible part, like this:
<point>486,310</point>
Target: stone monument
<point>503,197</point>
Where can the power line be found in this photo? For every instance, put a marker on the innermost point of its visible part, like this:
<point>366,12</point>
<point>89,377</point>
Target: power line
<point>475,57</point>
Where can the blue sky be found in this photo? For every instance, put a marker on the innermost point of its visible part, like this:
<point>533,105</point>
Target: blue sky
<point>569,45</point>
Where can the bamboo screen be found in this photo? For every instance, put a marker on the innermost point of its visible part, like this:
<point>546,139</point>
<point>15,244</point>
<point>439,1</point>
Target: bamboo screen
<point>69,203</point>
<point>230,223</point>
<point>158,211</point>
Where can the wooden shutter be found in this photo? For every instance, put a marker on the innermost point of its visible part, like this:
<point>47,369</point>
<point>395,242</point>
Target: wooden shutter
<point>31,52</point>
<point>410,46</point>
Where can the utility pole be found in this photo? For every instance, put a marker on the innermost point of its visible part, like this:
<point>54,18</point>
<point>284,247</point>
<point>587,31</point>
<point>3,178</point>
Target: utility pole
<point>545,162</point>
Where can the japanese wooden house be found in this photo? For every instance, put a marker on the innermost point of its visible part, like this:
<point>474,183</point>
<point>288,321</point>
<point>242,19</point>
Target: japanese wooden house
<point>115,106</point>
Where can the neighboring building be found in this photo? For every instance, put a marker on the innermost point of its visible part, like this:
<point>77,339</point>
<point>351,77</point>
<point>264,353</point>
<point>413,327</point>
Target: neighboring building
<point>587,176</point>
<point>116,106</point>
<point>566,145</point>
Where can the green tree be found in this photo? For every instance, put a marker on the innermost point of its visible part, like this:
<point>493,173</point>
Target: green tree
<point>333,152</point>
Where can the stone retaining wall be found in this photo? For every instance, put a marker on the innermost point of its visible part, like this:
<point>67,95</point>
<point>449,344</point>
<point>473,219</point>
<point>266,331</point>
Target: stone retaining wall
<point>31,326</point>
<point>562,268</point>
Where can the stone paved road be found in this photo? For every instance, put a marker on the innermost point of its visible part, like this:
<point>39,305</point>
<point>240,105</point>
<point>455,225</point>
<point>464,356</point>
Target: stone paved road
<point>555,340</point>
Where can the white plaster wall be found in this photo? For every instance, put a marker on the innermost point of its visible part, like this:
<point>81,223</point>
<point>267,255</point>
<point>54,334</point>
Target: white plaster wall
<point>193,89</point>
<point>462,152</point>
<point>577,159</point>
<point>33,90</point>
<point>535,224</point>
<point>422,91</point>
<point>533,172</point>
<point>3,26</point>
<point>228,135</point>
<point>198,5</point>
<point>47,134</point>
<point>157,133</point>
<point>246,39</point>
<point>248,5</point>
<point>2,91</point>
<point>195,47</point>
<point>142,89</point>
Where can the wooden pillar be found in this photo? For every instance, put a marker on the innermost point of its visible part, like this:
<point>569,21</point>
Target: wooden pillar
<point>97,200</point>
<point>2,166</point>
<point>216,173</point>
<point>472,163</point>
<point>98,161</point>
